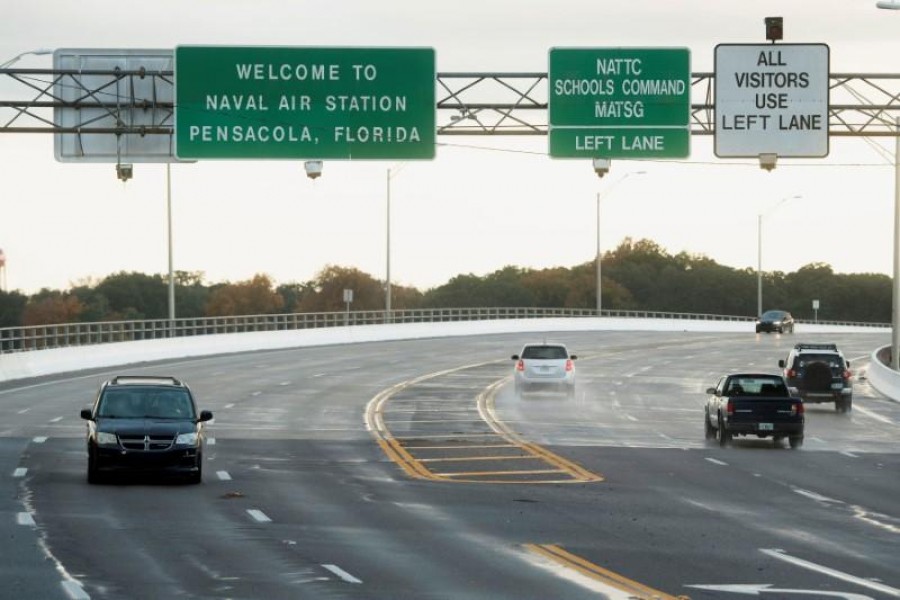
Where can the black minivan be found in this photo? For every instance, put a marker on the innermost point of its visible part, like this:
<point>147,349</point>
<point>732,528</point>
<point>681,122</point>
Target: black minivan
<point>145,424</point>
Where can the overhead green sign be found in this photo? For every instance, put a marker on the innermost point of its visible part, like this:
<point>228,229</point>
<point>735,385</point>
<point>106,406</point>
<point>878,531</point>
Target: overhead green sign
<point>266,102</point>
<point>619,102</point>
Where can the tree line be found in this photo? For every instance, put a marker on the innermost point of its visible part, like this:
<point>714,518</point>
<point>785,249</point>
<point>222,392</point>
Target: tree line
<point>637,275</point>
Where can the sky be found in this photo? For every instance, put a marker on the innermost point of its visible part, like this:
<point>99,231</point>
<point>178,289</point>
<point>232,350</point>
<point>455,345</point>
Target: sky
<point>483,202</point>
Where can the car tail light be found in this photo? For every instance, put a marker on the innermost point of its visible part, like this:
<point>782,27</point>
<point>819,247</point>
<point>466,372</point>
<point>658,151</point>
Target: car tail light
<point>569,365</point>
<point>729,407</point>
<point>520,366</point>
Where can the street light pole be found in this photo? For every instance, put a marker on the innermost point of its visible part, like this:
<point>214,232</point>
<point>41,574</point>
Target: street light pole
<point>15,59</point>
<point>599,257</point>
<point>387,287</point>
<point>759,222</point>
<point>895,321</point>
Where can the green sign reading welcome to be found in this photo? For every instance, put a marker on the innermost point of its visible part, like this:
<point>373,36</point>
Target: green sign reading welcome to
<point>304,103</point>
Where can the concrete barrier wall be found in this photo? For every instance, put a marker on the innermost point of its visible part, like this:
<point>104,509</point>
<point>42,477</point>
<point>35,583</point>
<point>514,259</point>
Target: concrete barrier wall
<point>24,365</point>
<point>882,377</point>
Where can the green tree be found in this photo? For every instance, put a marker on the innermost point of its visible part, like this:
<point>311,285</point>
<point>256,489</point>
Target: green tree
<point>328,293</point>
<point>12,308</point>
<point>253,297</point>
<point>135,296</point>
<point>49,307</point>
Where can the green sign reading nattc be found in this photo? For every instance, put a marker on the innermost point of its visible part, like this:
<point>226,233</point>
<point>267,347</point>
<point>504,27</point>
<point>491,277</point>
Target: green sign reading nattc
<point>304,103</point>
<point>619,102</point>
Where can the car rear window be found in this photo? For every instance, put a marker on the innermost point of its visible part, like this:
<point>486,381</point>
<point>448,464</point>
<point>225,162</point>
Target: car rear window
<point>832,360</point>
<point>757,386</point>
<point>545,352</point>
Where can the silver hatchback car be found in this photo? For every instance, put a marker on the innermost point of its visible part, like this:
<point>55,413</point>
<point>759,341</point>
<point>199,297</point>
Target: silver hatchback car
<point>544,365</point>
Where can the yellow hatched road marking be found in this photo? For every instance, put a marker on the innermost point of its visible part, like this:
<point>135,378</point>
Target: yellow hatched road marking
<point>477,458</point>
<point>395,449</point>
<point>487,473</point>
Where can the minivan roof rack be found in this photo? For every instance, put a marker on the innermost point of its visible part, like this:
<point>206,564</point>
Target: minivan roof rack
<point>144,380</point>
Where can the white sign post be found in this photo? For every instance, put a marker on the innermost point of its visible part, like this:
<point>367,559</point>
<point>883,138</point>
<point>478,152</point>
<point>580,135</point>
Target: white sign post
<point>771,99</point>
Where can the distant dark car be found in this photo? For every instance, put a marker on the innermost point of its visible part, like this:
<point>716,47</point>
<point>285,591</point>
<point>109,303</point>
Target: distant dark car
<point>753,404</point>
<point>773,321</point>
<point>141,424</point>
<point>820,373</point>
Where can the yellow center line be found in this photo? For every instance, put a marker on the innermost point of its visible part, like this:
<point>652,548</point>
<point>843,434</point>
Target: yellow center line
<point>637,590</point>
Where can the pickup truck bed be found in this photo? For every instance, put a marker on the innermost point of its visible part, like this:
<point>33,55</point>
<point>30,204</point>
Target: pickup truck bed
<point>757,405</point>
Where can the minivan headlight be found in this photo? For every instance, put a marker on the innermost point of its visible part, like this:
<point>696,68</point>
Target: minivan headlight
<point>186,439</point>
<point>105,438</point>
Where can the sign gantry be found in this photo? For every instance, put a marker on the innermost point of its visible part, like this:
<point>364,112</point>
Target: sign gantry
<point>134,104</point>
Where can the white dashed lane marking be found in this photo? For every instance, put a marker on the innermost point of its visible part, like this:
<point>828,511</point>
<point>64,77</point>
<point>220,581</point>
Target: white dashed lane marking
<point>717,462</point>
<point>24,518</point>
<point>342,574</point>
<point>258,516</point>
<point>20,472</point>
<point>40,439</point>
<point>223,475</point>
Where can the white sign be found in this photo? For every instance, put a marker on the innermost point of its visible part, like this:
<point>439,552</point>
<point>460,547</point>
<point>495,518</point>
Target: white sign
<point>348,296</point>
<point>815,305</point>
<point>92,89</point>
<point>771,99</point>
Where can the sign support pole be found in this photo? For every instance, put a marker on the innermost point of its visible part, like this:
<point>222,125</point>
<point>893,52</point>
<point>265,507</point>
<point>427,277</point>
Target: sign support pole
<point>171,271</point>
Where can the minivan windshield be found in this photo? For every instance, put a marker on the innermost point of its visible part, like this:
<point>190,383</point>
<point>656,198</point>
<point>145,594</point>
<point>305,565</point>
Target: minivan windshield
<point>146,403</point>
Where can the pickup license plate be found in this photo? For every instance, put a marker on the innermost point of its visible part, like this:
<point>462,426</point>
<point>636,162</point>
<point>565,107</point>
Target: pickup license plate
<point>766,427</point>
<point>837,386</point>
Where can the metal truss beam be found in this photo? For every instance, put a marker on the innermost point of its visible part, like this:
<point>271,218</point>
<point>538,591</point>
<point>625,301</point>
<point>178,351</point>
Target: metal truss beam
<point>469,104</point>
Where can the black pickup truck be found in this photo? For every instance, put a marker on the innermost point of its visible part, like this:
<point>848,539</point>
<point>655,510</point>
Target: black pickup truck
<point>753,404</point>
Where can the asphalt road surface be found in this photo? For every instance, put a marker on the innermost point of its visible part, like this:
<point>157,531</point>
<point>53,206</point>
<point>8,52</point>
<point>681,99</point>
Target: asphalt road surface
<point>411,470</point>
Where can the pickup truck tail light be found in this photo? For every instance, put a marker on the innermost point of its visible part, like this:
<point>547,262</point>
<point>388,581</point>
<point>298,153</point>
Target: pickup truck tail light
<point>791,373</point>
<point>520,366</point>
<point>797,409</point>
<point>569,365</point>
<point>729,408</point>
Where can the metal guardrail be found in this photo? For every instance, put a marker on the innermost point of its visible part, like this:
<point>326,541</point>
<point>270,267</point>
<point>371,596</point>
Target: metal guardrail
<point>43,337</point>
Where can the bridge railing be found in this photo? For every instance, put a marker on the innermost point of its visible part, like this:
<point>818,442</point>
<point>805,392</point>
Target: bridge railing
<point>41,337</point>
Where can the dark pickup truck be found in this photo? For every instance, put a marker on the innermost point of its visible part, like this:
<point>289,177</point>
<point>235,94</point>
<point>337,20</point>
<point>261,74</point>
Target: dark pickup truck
<point>754,404</point>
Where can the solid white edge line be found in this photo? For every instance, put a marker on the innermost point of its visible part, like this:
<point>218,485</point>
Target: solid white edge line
<point>342,574</point>
<point>258,515</point>
<point>24,518</point>
<point>20,472</point>
<point>873,415</point>
<point>872,585</point>
<point>223,475</point>
<point>74,590</point>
